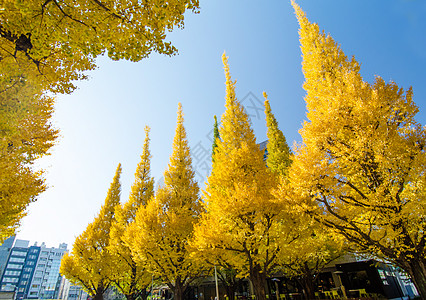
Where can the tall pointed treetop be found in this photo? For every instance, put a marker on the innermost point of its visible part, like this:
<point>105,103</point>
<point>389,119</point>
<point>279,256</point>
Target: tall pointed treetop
<point>321,52</point>
<point>358,168</point>
<point>89,263</point>
<point>180,176</point>
<point>162,229</point>
<point>279,154</point>
<point>235,124</point>
<point>106,215</point>
<point>143,186</point>
<point>129,276</point>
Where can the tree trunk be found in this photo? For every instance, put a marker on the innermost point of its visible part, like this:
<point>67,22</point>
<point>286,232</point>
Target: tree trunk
<point>133,292</point>
<point>139,294</point>
<point>307,282</point>
<point>144,294</point>
<point>100,290</point>
<point>98,296</point>
<point>229,281</point>
<point>230,290</point>
<point>417,271</point>
<point>258,279</point>
<point>99,293</point>
<point>178,289</point>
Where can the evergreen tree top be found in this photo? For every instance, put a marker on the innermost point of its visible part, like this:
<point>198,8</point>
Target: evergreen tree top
<point>279,153</point>
<point>216,136</point>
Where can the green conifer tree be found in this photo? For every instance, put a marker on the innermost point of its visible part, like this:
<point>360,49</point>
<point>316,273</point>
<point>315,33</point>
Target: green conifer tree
<point>279,153</point>
<point>216,136</point>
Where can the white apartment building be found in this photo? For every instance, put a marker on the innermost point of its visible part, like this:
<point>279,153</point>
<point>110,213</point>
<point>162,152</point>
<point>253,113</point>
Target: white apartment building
<point>46,279</point>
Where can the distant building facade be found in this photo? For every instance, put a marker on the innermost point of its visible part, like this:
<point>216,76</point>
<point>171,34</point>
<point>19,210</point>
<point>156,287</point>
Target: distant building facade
<point>14,266</point>
<point>5,249</point>
<point>27,272</point>
<point>69,291</point>
<point>32,272</point>
<point>46,280</point>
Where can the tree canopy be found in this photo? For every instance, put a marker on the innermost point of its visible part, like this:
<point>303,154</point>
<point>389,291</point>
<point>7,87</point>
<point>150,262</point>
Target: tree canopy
<point>45,47</point>
<point>360,169</point>
<point>54,42</point>
<point>161,232</point>
<point>241,214</point>
<point>129,275</point>
<point>90,263</point>
<point>25,135</point>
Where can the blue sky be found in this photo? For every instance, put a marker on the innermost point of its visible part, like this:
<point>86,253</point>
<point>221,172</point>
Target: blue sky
<point>102,122</point>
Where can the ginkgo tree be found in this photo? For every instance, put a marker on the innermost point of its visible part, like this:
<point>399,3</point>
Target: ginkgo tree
<point>361,167</point>
<point>306,257</point>
<point>54,42</point>
<point>312,247</point>
<point>49,45</point>
<point>26,134</point>
<point>241,218</point>
<point>162,229</point>
<point>129,275</point>
<point>90,264</point>
<point>215,259</point>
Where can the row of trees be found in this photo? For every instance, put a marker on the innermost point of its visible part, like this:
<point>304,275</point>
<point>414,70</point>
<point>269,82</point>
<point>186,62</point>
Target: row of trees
<point>45,47</point>
<point>357,179</point>
<point>175,235</point>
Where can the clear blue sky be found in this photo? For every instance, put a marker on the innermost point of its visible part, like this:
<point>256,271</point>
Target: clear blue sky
<point>102,122</point>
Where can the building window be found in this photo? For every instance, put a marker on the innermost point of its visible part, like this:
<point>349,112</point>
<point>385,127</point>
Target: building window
<point>10,279</point>
<point>16,273</point>
<point>14,266</point>
<point>17,259</point>
<point>7,288</point>
<point>19,253</point>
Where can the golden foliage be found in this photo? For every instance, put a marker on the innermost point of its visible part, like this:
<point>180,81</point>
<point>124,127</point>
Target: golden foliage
<point>53,42</point>
<point>25,135</point>
<point>242,223</point>
<point>129,276</point>
<point>48,45</point>
<point>160,234</point>
<point>90,263</point>
<point>360,169</point>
